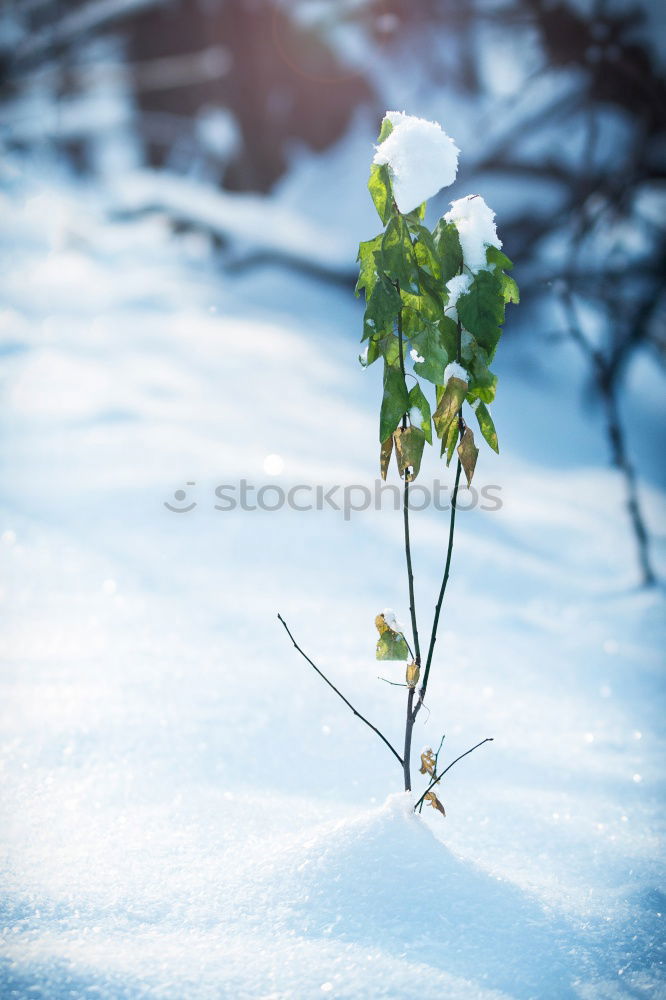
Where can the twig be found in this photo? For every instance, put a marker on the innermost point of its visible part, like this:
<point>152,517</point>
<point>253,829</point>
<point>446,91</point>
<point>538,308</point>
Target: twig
<point>396,684</point>
<point>405,515</point>
<point>488,739</point>
<point>409,719</point>
<point>442,591</point>
<point>340,695</point>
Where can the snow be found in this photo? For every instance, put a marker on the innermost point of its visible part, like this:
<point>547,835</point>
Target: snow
<point>455,370</point>
<point>188,811</point>
<point>415,356</point>
<point>475,222</point>
<point>456,286</point>
<point>421,157</point>
<point>391,620</point>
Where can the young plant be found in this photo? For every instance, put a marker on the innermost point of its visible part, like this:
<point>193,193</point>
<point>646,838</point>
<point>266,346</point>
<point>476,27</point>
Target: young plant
<point>434,304</point>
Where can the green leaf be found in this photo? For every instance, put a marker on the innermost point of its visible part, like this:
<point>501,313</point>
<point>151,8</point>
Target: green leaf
<point>381,308</point>
<point>486,425</point>
<point>390,348</point>
<point>482,382</point>
<point>449,405</point>
<point>449,251</point>
<point>468,454</point>
<point>510,289</point>
<point>398,257</point>
<point>385,130</point>
<point>392,646</point>
<point>495,256</point>
<point>502,263</point>
<point>437,345</point>
<point>387,347</point>
<point>418,401</point>
<point>425,249</point>
<point>395,402</point>
<point>481,310</point>
<point>374,352</point>
<point>367,264</point>
<point>409,445</point>
<point>430,288</point>
<point>380,190</point>
<point>419,310</point>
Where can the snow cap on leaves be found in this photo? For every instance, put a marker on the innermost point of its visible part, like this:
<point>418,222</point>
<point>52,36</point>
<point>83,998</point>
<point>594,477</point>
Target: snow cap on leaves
<point>475,223</point>
<point>421,159</point>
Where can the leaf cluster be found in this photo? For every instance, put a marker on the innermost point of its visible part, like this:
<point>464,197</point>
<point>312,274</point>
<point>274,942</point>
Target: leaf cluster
<point>409,324</point>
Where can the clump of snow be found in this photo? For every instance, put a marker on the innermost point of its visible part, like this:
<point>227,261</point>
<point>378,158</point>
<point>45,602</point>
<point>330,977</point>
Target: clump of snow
<point>391,620</point>
<point>415,356</point>
<point>382,876</point>
<point>454,370</point>
<point>421,159</point>
<point>475,223</point>
<point>457,286</point>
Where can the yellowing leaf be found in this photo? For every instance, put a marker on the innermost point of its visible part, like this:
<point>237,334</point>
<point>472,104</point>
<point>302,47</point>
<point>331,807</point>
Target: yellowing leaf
<point>449,442</point>
<point>409,444</point>
<point>412,675</point>
<point>391,645</point>
<point>385,456</point>
<point>380,624</point>
<point>486,424</point>
<point>449,405</point>
<point>427,762</point>
<point>432,800</point>
<point>468,452</point>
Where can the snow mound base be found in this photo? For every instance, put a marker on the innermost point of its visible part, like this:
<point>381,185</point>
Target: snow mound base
<point>383,878</point>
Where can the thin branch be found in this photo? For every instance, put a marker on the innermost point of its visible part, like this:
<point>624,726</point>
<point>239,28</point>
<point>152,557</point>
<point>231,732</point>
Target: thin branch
<point>434,770</point>
<point>449,551</point>
<point>405,515</point>
<point>409,720</point>
<point>340,695</point>
<point>488,739</point>
<point>442,591</point>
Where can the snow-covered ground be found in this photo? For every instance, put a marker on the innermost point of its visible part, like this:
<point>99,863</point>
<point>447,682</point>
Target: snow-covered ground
<point>187,810</point>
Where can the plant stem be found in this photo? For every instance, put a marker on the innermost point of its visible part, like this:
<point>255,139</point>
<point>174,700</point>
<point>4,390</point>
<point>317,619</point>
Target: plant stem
<point>409,720</point>
<point>340,695</point>
<point>488,739</point>
<point>442,590</point>
<point>405,517</point>
<point>449,551</point>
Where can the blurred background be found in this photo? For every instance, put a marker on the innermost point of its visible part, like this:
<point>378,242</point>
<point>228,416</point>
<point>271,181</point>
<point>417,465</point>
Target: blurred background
<point>182,192</point>
<point>218,115</point>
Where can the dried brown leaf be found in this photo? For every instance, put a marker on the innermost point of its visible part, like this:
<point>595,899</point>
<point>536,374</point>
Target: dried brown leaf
<point>385,455</point>
<point>449,405</point>
<point>432,800</point>
<point>409,444</point>
<point>427,762</point>
<point>468,452</point>
<point>412,674</point>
